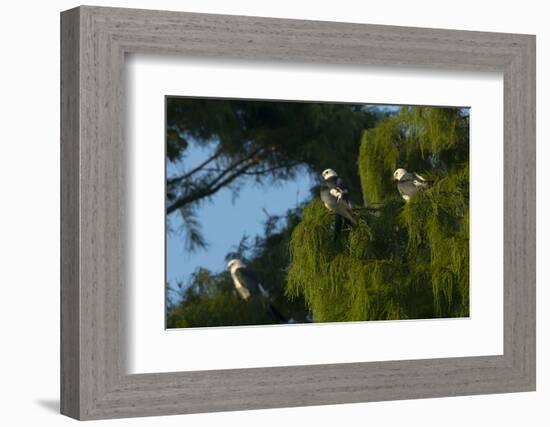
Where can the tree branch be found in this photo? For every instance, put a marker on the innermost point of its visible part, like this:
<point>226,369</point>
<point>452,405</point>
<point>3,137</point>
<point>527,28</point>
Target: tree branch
<point>274,168</point>
<point>206,191</point>
<point>249,158</point>
<point>177,179</point>
<point>226,177</point>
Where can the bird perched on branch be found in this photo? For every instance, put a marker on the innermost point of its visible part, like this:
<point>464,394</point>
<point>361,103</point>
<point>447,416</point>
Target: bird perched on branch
<point>409,183</point>
<point>248,285</point>
<point>335,195</point>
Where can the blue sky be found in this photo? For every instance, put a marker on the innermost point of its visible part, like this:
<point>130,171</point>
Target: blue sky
<point>224,221</point>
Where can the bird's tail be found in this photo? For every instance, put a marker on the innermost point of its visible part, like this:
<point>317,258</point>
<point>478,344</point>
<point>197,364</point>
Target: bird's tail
<point>338,219</point>
<point>349,217</point>
<point>276,314</point>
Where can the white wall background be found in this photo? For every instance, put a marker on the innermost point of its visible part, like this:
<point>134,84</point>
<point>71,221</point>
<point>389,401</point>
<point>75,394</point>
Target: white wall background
<point>29,214</point>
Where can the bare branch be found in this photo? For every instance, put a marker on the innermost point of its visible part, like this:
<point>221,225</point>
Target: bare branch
<point>272,169</point>
<point>175,180</point>
<point>231,173</point>
<point>249,160</point>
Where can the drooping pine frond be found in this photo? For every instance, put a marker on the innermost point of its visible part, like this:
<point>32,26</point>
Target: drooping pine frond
<point>406,260</point>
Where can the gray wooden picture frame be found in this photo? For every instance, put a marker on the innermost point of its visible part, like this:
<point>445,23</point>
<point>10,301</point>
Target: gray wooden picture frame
<point>94,382</point>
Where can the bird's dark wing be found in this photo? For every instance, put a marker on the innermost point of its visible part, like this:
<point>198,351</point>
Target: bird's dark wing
<point>419,177</point>
<point>249,279</point>
<point>413,178</point>
<point>341,184</point>
<point>421,182</point>
<point>343,188</point>
<point>337,188</point>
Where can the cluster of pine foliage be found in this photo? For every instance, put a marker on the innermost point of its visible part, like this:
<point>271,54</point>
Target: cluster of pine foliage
<point>402,260</point>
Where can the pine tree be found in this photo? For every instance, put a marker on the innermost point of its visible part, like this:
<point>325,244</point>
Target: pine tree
<point>402,260</point>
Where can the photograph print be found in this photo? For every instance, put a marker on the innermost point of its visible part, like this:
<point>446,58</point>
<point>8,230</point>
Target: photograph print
<point>291,212</point>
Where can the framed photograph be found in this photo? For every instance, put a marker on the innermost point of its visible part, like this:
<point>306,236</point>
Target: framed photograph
<point>262,213</point>
<point>365,241</point>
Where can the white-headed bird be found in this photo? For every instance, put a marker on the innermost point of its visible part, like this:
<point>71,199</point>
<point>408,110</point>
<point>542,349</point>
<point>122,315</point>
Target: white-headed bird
<point>409,183</point>
<point>335,195</point>
<point>248,285</point>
